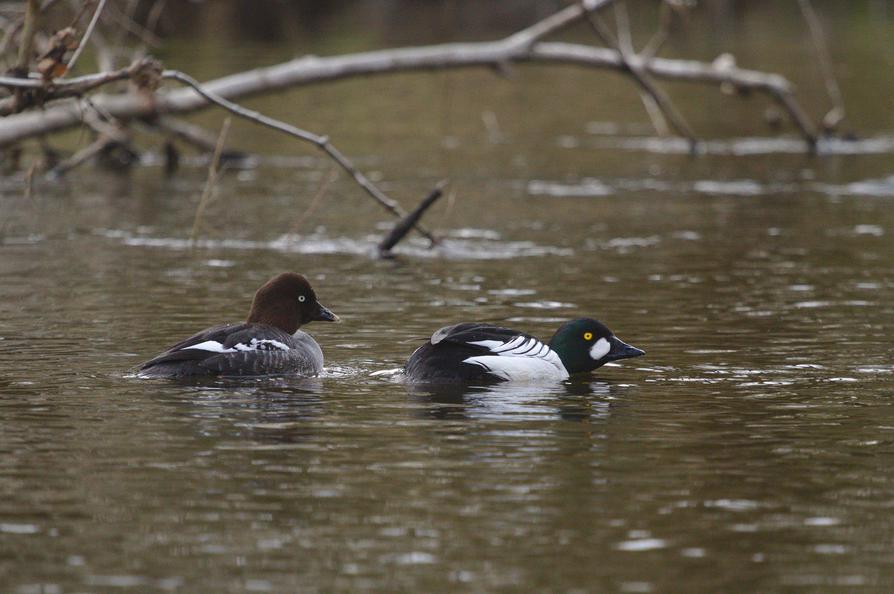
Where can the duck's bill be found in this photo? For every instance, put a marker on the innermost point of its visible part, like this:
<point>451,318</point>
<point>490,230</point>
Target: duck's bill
<point>324,315</point>
<point>622,350</point>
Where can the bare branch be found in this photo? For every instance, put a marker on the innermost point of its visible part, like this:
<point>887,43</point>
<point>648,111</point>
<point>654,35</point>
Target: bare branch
<point>821,47</point>
<point>322,142</point>
<point>129,25</point>
<point>80,157</point>
<point>32,11</point>
<point>522,47</point>
<point>61,89</point>
<point>658,40</point>
<point>192,134</point>
<point>655,94</point>
<point>524,39</point>
<point>86,36</point>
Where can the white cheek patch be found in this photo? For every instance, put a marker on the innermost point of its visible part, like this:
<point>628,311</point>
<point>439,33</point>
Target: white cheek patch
<point>599,349</point>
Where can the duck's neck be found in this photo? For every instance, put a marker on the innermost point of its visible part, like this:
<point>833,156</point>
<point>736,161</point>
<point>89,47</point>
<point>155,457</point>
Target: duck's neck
<point>573,361</point>
<point>282,316</point>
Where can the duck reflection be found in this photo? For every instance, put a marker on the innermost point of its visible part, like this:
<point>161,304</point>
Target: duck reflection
<point>270,410</point>
<point>575,400</point>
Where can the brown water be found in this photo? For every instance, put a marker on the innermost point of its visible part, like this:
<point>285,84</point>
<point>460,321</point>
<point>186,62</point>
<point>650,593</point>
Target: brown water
<point>751,449</point>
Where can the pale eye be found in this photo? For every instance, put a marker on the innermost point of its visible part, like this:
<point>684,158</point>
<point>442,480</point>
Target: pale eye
<point>301,298</point>
<point>588,336</point>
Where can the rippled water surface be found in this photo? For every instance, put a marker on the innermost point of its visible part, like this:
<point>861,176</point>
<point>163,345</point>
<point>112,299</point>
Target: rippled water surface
<point>752,449</point>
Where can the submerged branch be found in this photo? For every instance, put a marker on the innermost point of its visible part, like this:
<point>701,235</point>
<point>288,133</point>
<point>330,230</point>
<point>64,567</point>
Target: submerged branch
<point>403,226</point>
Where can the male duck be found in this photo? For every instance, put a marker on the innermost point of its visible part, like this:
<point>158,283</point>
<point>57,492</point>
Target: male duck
<point>473,352</point>
<point>269,341</point>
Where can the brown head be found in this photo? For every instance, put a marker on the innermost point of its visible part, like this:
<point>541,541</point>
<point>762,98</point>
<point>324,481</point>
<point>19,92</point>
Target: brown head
<point>287,302</point>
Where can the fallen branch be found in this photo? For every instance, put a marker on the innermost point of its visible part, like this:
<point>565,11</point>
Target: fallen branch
<point>522,47</point>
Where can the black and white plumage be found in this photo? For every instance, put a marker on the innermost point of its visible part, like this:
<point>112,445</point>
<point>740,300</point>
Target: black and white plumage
<point>472,352</point>
<point>268,343</point>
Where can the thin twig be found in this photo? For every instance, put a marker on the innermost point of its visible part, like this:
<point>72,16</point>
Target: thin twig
<point>29,180</point>
<point>527,37</point>
<point>86,36</point>
<point>658,40</point>
<point>80,157</point>
<point>192,134</point>
<point>32,11</point>
<point>625,45</point>
<point>821,47</point>
<point>154,15</point>
<point>662,101</point>
<point>325,182</point>
<point>211,182</point>
<point>322,142</point>
<point>129,25</point>
<point>23,63</point>
<point>801,119</point>
<point>60,89</point>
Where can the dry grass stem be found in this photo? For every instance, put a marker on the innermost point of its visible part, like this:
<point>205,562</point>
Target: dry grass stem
<point>211,182</point>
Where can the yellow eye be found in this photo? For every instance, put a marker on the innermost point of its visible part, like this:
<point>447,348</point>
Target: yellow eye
<point>588,336</point>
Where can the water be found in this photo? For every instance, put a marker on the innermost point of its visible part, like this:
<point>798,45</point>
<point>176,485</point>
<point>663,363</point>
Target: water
<point>750,450</point>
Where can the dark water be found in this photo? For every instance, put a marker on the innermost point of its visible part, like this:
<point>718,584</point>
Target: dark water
<point>751,450</point>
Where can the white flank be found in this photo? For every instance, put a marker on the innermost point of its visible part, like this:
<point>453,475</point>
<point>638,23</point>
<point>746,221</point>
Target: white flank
<point>521,368</point>
<point>599,349</point>
<point>209,345</point>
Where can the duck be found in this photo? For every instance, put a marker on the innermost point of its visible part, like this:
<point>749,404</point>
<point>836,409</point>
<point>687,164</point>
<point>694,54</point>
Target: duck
<point>269,342</point>
<point>473,352</point>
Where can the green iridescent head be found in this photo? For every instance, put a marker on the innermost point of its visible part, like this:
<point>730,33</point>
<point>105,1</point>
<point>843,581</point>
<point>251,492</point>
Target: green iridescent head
<point>585,344</point>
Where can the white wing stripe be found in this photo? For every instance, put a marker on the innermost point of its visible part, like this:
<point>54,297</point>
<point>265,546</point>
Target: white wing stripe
<point>264,344</point>
<point>520,357</point>
<point>209,345</point>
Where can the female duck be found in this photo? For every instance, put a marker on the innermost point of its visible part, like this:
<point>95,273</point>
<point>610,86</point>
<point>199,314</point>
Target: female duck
<point>269,341</point>
<point>473,352</point>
